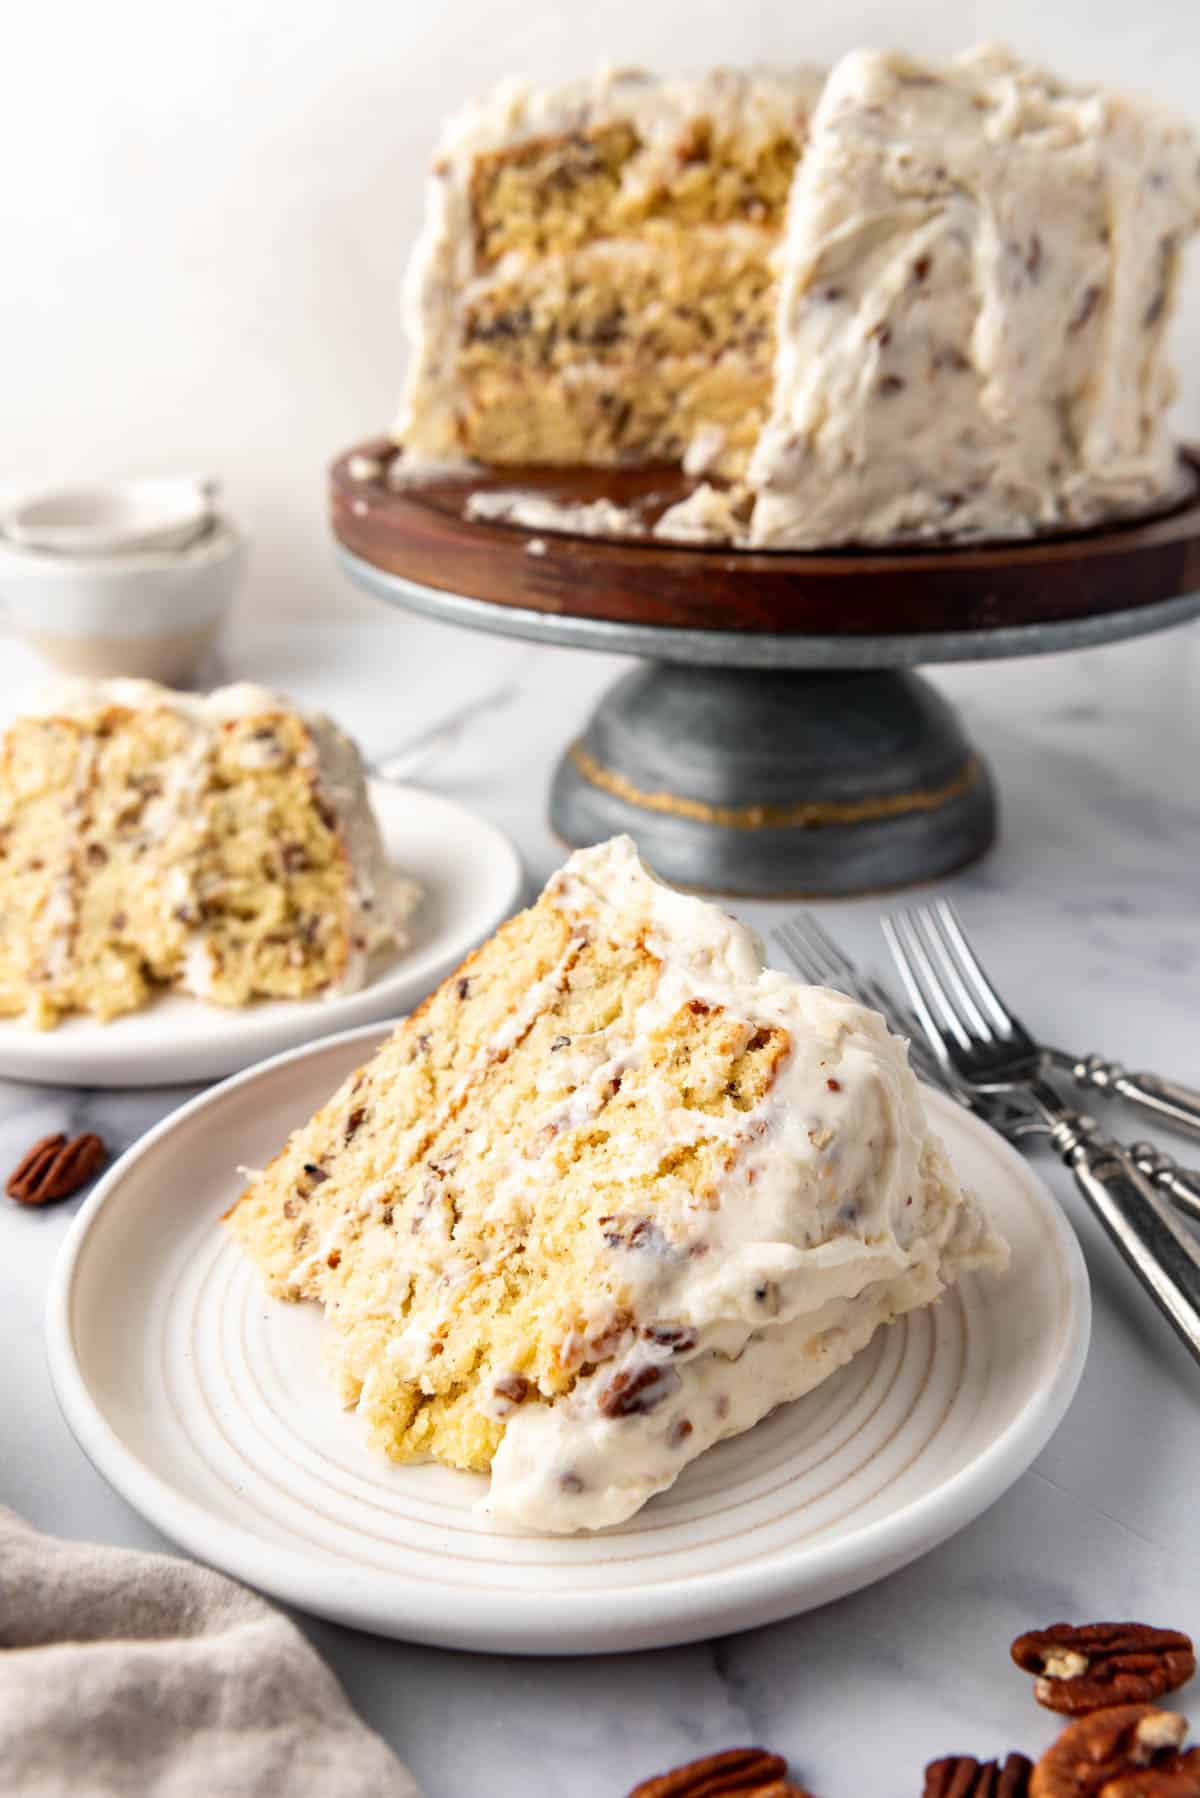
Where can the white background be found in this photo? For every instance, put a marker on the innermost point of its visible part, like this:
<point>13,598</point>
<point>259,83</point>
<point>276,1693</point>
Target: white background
<point>208,208</point>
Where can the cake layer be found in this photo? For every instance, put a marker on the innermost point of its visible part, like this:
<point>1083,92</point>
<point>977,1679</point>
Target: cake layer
<point>621,350</point>
<point>551,194</point>
<point>151,838</point>
<point>671,292</point>
<point>314,1187</point>
<point>610,1194</point>
<point>589,414</point>
<point>542,177</point>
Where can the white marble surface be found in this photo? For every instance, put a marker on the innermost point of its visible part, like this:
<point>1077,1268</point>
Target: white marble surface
<point>1088,911</point>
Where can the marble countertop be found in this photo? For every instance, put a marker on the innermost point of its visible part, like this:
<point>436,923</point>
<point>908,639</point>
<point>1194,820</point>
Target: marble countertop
<point>1087,909</point>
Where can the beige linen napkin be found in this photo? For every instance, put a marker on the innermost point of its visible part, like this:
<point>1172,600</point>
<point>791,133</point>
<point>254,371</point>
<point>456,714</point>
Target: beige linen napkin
<point>124,1673</point>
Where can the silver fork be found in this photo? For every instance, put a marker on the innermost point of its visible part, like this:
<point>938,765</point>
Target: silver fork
<point>1166,1101</point>
<point>811,949</point>
<point>813,953</point>
<point>972,1033</point>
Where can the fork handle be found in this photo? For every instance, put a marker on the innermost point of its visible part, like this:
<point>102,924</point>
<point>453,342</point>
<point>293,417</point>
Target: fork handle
<point>1181,1184</point>
<point>1156,1245</point>
<point>1164,1100</point>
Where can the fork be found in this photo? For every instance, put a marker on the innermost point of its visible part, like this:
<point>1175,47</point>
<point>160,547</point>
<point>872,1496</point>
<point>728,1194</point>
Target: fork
<point>1166,1101</point>
<point>811,949</point>
<point>971,1032</point>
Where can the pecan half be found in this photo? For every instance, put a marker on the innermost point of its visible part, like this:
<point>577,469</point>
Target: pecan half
<point>1095,1665</point>
<point>1101,1746</point>
<point>736,1773</point>
<point>1176,1777</point>
<point>958,1776</point>
<point>55,1168</point>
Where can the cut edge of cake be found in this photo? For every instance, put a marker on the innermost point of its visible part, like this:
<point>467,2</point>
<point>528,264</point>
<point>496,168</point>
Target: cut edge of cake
<point>671,126</point>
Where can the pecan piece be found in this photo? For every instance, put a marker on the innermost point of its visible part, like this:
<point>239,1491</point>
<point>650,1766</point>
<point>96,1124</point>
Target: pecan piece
<point>958,1776</point>
<point>1176,1777</point>
<point>55,1168</point>
<point>736,1773</point>
<point>1101,1746</point>
<point>1095,1665</point>
<point>631,1393</point>
<point>679,1338</point>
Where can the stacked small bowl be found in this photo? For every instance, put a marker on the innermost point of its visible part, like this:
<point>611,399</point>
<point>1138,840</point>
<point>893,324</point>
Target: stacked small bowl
<point>129,578</point>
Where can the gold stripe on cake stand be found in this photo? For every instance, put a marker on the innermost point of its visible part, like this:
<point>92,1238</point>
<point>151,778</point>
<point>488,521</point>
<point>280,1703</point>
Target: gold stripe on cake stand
<point>806,814</point>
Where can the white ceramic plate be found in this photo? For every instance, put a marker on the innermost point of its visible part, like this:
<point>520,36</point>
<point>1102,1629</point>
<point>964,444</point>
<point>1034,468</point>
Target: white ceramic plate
<point>471,877</point>
<point>203,1402</point>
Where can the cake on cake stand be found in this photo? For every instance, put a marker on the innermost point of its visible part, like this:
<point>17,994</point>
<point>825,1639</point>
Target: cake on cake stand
<point>776,740</point>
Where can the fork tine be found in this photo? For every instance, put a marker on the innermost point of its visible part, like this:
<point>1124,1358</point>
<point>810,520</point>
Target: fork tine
<point>901,1016</point>
<point>984,990</point>
<point>953,977</point>
<point>821,958</point>
<point>818,957</point>
<point>796,949</point>
<point>834,955</point>
<point>922,985</point>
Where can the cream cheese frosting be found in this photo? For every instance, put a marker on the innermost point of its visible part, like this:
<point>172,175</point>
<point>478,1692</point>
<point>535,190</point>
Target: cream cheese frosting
<point>541,512</point>
<point>976,282</point>
<point>840,1212</point>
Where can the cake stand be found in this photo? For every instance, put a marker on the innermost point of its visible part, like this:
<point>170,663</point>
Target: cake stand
<point>776,740</point>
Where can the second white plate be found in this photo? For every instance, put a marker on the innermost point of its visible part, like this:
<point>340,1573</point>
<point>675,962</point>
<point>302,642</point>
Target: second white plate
<point>204,1403</point>
<point>470,875</point>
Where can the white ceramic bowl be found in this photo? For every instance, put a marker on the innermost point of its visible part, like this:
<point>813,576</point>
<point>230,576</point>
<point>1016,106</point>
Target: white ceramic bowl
<point>152,615</point>
<point>114,518</point>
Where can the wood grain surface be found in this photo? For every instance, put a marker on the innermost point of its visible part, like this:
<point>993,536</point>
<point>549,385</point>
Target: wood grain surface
<point>420,533</point>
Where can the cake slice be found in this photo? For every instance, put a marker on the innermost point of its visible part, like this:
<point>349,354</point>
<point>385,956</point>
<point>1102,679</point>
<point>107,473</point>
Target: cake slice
<point>612,1193</point>
<point>224,846</point>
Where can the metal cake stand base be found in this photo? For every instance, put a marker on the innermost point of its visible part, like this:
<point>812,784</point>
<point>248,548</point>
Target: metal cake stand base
<point>774,739</point>
<point>778,782</point>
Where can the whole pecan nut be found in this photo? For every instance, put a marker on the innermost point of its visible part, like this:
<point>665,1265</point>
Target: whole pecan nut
<point>734,1773</point>
<point>1095,1665</point>
<point>958,1776</point>
<point>1176,1777</point>
<point>1104,1745</point>
<point>55,1168</point>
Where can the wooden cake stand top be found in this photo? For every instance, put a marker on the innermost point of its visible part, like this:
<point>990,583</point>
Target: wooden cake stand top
<point>419,535</point>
